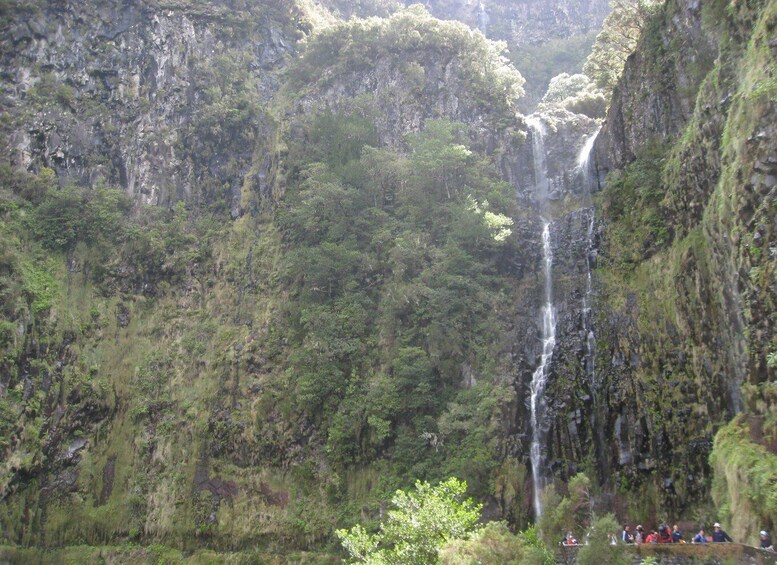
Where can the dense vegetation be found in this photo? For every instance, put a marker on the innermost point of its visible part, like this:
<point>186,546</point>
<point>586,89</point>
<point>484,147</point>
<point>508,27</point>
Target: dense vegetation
<point>398,267</point>
<point>325,318</point>
<point>170,368</point>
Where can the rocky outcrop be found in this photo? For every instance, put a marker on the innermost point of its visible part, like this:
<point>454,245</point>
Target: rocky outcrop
<point>421,69</point>
<point>656,95</point>
<point>159,100</point>
<point>684,324</point>
<point>564,136</point>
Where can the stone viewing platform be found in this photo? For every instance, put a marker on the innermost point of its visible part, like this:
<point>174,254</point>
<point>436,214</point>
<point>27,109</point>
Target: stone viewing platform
<point>685,554</point>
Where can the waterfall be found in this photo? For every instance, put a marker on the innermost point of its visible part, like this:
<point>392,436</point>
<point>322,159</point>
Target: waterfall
<point>584,164</point>
<point>588,323</point>
<point>483,19</point>
<point>540,376</point>
<point>538,152</point>
<point>585,167</point>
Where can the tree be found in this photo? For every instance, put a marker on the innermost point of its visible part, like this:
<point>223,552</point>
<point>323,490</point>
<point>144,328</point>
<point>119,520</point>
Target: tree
<point>617,40</point>
<point>422,522</point>
<point>567,513</point>
<point>600,550</point>
<point>494,544</point>
<point>576,93</point>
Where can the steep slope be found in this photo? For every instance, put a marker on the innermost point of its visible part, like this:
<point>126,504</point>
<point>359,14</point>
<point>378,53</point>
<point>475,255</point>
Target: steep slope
<point>687,264</point>
<point>162,99</point>
<point>233,372</point>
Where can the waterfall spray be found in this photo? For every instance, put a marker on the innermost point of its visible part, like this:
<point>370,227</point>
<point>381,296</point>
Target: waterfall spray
<point>584,166</point>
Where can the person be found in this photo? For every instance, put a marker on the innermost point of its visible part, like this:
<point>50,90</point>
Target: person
<point>665,534</point>
<point>570,539</point>
<point>639,535</point>
<point>652,537</point>
<point>677,535</point>
<point>700,537</point>
<point>719,535</point>
<point>766,541</point>
<point>627,536</point>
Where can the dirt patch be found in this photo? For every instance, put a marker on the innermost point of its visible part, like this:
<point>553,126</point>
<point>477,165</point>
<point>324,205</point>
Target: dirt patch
<point>273,498</point>
<point>109,473</point>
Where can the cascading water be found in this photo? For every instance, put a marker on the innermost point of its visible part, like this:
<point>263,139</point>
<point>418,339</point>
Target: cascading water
<point>584,162</point>
<point>483,19</point>
<point>584,166</point>
<point>538,152</point>
<point>540,376</point>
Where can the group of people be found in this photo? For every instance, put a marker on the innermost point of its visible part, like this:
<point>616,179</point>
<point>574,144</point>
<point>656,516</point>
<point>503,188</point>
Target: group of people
<point>718,535</point>
<point>663,535</point>
<point>673,535</point>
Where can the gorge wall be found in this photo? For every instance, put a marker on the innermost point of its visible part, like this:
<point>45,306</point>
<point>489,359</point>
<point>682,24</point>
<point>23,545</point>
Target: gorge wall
<point>260,268</point>
<point>684,333</point>
<point>518,23</point>
<point>162,100</point>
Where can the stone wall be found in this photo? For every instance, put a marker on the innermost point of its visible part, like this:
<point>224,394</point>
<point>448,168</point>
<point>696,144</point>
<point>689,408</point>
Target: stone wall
<point>686,554</point>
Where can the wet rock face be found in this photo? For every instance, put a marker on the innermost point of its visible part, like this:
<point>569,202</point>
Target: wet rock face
<point>128,94</point>
<point>677,345</point>
<point>564,135</point>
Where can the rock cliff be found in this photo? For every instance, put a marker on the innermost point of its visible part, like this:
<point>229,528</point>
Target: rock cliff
<point>336,306</point>
<point>163,99</point>
<point>518,23</point>
<point>684,324</point>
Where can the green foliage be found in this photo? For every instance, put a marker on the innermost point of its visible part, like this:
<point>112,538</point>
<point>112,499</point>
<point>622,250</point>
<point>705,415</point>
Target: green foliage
<point>540,63</point>
<point>394,264</point>
<point>575,93</point>
<point>38,285</point>
<point>568,513</point>
<point>421,523</point>
<point>494,544</point>
<point>745,479</point>
<point>356,45</point>
<point>633,202</point>
<point>617,40</point>
<point>600,550</point>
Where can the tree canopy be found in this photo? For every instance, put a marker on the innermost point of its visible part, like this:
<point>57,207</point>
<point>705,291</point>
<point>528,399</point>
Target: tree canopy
<point>421,522</point>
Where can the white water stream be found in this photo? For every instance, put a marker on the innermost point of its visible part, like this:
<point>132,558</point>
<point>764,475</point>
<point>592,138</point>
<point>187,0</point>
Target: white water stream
<point>542,372</point>
<point>540,376</point>
<point>584,166</point>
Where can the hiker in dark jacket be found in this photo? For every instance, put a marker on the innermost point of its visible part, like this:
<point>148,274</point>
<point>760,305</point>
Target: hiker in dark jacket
<point>719,535</point>
<point>677,535</point>
<point>766,542</point>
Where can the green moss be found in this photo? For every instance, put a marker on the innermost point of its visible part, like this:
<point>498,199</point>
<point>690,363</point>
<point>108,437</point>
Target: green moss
<point>745,480</point>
